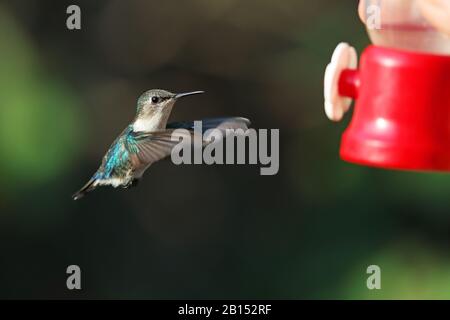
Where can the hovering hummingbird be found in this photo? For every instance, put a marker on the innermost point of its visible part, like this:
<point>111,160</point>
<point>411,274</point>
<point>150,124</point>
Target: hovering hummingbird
<point>147,140</point>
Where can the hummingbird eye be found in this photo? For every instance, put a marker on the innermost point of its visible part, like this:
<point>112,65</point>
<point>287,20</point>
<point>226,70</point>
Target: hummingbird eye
<point>155,99</point>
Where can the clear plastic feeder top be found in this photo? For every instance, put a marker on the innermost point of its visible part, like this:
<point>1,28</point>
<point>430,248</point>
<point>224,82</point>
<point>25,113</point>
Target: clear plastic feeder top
<point>399,24</point>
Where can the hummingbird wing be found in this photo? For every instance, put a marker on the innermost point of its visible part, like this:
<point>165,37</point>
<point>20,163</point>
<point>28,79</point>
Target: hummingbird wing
<point>221,124</point>
<point>157,145</point>
<point>214,123</point>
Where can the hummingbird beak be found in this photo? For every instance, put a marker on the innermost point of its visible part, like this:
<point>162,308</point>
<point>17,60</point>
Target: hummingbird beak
<point>181,95</point>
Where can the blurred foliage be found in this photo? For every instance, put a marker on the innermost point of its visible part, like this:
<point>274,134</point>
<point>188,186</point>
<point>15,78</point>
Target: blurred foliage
<point>199,231</point>
<point>39,125</point>
<point>411,270</point>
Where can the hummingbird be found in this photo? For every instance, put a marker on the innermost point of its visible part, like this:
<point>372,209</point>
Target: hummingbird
<point>147,140</point>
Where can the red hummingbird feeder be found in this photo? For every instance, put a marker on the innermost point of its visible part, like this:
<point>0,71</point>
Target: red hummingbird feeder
<point>401,89</point>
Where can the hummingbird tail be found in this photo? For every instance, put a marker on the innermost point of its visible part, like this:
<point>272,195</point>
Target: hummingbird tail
<point>88,187</point>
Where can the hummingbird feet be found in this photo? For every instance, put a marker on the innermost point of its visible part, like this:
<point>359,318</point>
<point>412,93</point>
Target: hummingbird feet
<point>134,183</point>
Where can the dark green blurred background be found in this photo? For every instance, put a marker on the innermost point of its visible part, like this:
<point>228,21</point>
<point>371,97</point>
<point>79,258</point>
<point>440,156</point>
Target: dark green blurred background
<point>199,231</point>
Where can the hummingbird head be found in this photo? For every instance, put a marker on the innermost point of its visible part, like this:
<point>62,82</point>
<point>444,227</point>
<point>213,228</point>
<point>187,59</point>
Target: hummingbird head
<point>159,100</point>
<point>155,106</point>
